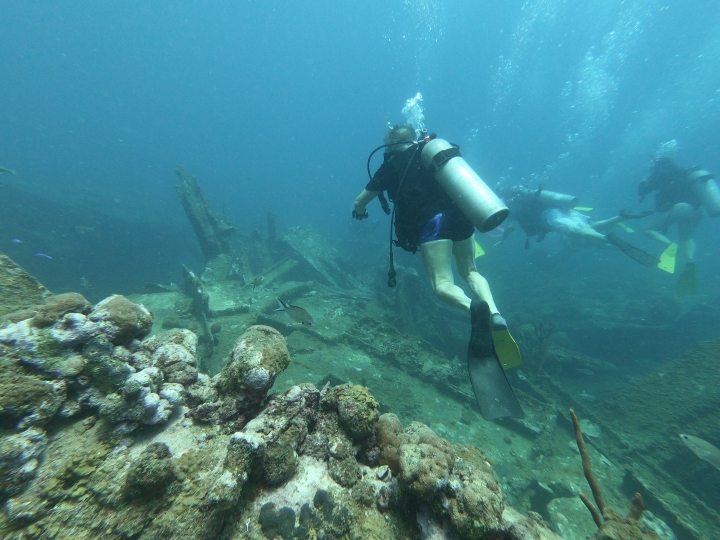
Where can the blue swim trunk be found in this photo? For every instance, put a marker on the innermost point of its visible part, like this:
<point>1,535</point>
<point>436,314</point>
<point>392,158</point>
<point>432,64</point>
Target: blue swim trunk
<point>448,225</point>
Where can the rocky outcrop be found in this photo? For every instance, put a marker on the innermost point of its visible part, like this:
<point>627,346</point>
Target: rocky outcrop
<point>125,462</point>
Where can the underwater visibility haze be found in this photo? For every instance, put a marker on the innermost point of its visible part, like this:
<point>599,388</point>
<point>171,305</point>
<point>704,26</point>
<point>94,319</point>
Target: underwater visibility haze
<point>188,167</point>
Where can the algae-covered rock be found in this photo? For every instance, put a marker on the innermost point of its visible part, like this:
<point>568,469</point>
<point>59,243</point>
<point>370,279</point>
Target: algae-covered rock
<point>183,337</point>
<point>57,306</point>
<point>258,356</point>
<point>277,523</point>
<point>177,362</point>
<point>151,474</point>
<point>245,452</point>
<point>122,320</point>
<point>343,467</point>
<point>19,455</point>
<point>357,409</point>
<point>74,328</point>
<point>22,336</point>
<point>108,373</point>
<point>27,400</point>
<point>18,289</point>
<point>280,463</point>
<point>141,399</point>
<point>474,495</point>
<point>425,461</point>
<point>387,432</point>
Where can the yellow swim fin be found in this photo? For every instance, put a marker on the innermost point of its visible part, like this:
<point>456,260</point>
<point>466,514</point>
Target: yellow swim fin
<point>506,349</point>
<point>479,251</point>
<point>583,208</point>
<point>623,226</point>
<point>687,281</point>
<point>668,259</point>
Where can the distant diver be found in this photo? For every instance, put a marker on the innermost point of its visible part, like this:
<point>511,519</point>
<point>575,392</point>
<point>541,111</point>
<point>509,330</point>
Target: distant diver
<point>681,196</point>
<point>540,212</point>
<point>438,201</point>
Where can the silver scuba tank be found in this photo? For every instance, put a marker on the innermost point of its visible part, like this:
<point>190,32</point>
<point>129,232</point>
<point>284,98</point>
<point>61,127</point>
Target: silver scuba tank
<point>559,200</point>
<point>466,189</point>
<point>707,190</point>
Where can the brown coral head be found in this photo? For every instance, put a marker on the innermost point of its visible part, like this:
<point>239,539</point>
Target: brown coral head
<point>637,507</point>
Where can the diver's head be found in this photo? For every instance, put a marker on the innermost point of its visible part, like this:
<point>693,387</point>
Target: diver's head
<point>399,134</point>
<point>511,194</point>
<point>664,171</point>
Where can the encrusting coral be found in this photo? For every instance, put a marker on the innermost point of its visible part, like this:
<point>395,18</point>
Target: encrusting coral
<point>145,446</point>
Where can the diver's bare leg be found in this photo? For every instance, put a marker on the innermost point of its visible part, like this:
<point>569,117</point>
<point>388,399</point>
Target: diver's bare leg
<point>606,224</point>
<point>590,233</point>
<point>688,224</point>
<point>659,223</point>
<point>464,252</point>
<point>658,237</point>
<point>437,258</point>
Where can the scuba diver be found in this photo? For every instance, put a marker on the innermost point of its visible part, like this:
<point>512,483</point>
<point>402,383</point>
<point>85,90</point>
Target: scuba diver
<point>438,201</point>
<point>681,196</point>
<point>539,212</point>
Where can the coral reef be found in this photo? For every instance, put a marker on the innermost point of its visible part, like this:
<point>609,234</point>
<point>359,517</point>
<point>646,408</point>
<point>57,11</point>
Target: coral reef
<point>18,289</point>
<point>256,359</point>
<point>123,461</point>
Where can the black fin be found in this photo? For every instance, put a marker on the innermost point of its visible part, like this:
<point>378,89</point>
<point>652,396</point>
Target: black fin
<point>493,392</point>
<point>635,253</point>
<point>687,281</point>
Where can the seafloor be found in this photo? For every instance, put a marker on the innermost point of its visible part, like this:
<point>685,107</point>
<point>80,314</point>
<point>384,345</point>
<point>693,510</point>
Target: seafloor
<point>200,412</point>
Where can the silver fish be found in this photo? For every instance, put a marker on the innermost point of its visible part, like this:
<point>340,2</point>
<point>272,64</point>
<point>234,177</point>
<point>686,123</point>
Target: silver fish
<point>3,170</point>
<point>296,313</point>
<point>702,449</point>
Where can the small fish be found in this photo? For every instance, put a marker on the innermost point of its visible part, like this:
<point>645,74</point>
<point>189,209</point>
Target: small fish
<point>82,229</point>
<point>584,371</point>
<point>16,241</point>
<point>258,281</point>
<point>586,396</point>
<point>3,170</point>
<point>85,282</point>
<point>702,449</point>
<point>43,255</point>
<point>296,313</point>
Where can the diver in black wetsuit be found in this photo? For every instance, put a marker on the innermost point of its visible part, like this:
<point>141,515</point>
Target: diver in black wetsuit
<point>540,212</point>
<point>427,218</point>
<point>681,196</point>
<point>676,203</point>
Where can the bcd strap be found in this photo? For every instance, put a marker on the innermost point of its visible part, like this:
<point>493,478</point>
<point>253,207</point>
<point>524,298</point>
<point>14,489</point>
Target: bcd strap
<point>441,158</point>
<point>383,203</point>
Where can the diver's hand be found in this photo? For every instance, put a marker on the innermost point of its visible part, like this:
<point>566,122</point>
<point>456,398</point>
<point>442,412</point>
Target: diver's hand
<point>360,216</point>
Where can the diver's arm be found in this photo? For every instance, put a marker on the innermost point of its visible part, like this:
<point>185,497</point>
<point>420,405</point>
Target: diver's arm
<point>362,200</point>
<point>509,228</point>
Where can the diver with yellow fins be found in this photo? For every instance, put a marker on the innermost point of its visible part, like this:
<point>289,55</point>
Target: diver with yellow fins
<point>540,212</point>
<point>681,194</point>
<point>438,202</point>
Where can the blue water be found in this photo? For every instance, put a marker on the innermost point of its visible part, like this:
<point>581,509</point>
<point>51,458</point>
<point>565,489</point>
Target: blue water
<point>275,105</point>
